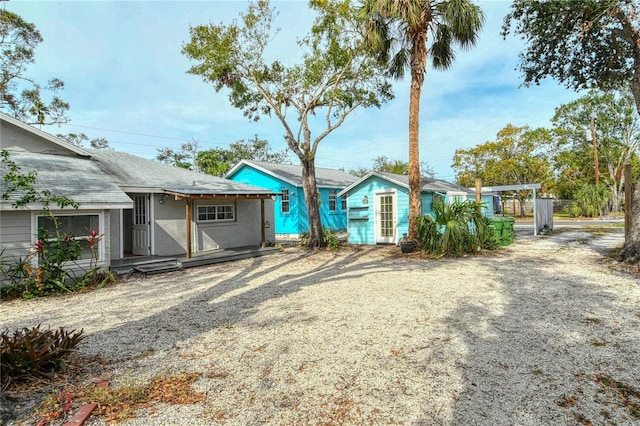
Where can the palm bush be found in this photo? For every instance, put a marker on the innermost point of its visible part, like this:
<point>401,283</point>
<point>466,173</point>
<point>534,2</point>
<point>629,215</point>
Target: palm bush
<point>589,201</point>
<point>454,229</point>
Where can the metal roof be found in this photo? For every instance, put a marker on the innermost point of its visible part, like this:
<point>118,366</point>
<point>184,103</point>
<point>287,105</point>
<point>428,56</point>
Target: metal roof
<point>292,174</point>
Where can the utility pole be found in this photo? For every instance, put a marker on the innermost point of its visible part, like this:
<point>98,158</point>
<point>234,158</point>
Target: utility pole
<point>595,150</point>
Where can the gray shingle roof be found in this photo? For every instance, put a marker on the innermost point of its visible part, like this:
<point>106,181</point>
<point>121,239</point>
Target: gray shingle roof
<point>77,178</point>
<point>136,172</point>
<point>291,173</point>
<point>428,184</point>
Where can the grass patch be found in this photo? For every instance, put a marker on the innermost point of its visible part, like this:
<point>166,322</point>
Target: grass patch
<point>119,404</point>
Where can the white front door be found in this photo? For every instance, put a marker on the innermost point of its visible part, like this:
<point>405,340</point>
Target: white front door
<point>385,209</point>
<point>140,231</point>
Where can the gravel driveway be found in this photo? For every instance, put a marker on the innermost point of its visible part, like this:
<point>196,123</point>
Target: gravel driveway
<point>522,336</point>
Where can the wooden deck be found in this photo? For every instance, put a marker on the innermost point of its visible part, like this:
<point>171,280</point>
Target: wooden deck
<point>159,264</point>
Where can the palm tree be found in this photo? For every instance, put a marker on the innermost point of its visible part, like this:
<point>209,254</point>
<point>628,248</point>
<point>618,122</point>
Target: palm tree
<point>399,32</point>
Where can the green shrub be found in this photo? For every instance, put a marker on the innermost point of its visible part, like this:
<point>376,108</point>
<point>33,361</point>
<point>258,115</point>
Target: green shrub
<point>589,201</point>
<point>32,352</point>
<point>454,229</point>
<point>330,239</point>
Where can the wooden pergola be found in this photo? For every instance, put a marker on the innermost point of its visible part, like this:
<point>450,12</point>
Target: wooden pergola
<point>188,195</point>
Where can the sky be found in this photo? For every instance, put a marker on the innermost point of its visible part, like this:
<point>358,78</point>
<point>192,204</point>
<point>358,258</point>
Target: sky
<point>125,79</point>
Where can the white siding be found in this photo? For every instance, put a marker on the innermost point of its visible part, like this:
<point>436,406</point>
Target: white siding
<point>15,233</point>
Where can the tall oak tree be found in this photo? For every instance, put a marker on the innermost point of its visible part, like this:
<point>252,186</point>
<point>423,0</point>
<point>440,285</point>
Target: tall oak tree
<point>583,44</point>
<point>335,76</point>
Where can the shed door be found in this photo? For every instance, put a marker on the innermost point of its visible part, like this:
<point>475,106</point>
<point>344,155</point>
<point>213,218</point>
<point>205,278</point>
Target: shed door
<point>140,240</point>
<point>385,218</point>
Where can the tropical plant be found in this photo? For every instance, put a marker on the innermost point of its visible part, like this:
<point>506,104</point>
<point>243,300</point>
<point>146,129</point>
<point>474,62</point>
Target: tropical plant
<point>330,237</point>
<point>454,229</point>
<point>32,352</point>
<point>590,201</point>
<point>403,33</point>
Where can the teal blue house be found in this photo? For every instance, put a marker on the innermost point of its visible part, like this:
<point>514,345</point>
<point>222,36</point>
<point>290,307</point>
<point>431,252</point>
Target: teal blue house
<point>378,205</point>
<point>290,208</point>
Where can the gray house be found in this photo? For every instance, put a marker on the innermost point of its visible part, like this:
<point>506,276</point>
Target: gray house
<point>141,207</point>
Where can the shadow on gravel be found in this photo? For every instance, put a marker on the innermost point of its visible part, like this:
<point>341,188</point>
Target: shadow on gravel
<point>203,312</point>
<point>532,363</point>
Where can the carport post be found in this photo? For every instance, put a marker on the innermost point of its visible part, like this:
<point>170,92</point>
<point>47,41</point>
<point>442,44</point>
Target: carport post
<point>535,226</point>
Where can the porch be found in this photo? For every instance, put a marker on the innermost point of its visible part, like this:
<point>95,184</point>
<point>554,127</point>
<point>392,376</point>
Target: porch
<point>160,264</point>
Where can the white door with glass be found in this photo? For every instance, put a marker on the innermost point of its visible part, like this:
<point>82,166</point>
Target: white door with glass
<point>385,218</point>
<point>140,237</point>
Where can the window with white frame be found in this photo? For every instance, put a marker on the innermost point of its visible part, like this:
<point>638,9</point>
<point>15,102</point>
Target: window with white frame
<point>77,226</point>
<point>333,200</point>
<point>343,200</point>
<point>285,204</point>
<point>217,213</point>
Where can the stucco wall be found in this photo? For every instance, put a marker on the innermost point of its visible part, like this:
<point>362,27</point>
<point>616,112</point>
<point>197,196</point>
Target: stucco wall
<point>244,231</point>
<point>170,226</point>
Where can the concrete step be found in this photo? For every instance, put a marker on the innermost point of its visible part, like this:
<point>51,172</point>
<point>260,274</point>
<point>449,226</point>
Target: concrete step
<point>158,267</point>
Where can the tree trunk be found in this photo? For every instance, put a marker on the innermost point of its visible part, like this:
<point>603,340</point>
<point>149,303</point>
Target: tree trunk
<point>316,236</point>
<point>521,201</point>
<point>418,67</point>
<point>631,250</point>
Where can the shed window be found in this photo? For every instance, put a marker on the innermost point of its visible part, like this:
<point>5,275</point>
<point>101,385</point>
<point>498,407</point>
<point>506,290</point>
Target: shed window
<point>284,201</point>
<point>216,213</point>
<point>343,200</point>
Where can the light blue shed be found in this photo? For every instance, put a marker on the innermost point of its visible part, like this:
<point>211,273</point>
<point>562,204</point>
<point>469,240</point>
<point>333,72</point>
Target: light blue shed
<point>291,217</point>
<point>378,205</point>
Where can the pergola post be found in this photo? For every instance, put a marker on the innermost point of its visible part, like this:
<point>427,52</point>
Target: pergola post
<point>188,214</point>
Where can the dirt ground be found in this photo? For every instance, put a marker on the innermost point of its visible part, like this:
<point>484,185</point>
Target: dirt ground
<point>545,331</point>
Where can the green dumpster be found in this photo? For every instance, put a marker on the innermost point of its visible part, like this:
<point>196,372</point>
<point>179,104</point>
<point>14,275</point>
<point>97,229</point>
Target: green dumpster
<point>502,229</point>
<point>495,224</point>
<point>508,230</point>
